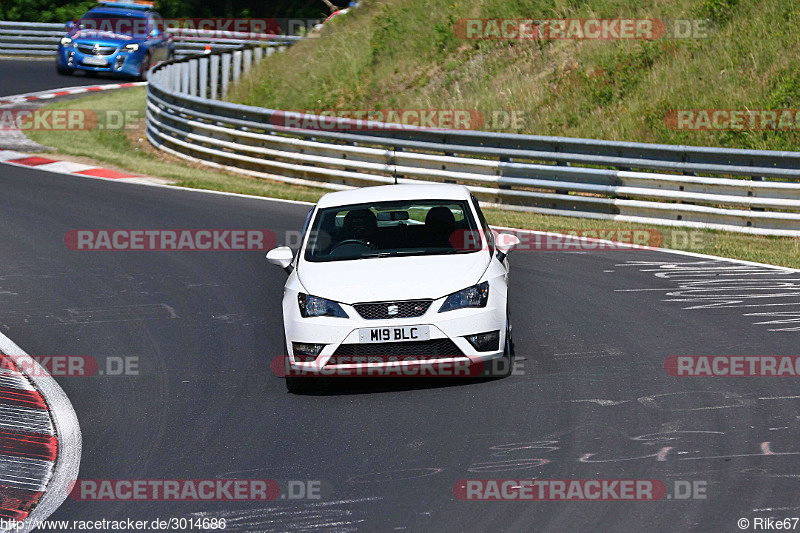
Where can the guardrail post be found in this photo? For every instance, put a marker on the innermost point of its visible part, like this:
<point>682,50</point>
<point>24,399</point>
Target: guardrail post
<point>175,81</point>
<point>185,78</point>
<point>270,51</point>
<point>214,77</point>
<point>203,77</point>
<point>237,65</point>
<point>259,53</point>
<point>193,74</point>
<point>247,60</point>
<point>226,73</point>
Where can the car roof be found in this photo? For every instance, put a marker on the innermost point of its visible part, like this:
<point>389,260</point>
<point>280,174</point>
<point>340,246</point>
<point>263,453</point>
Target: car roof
<point>126,11</point>
<point>388,193</point>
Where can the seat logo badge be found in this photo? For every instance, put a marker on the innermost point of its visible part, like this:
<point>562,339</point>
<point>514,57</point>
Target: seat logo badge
<point>393,310</point>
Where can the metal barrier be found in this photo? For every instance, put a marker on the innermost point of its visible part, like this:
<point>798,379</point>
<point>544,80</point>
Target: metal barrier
<point>39,39</point>
<point>748,191</point>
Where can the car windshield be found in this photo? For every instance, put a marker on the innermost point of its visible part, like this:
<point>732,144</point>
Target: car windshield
<point>387,229</point>
<point>112,23</point>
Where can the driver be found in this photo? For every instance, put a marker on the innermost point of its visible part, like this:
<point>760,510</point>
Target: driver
<point>360,224</point>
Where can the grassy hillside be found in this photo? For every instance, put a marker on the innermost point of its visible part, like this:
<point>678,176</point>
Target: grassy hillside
<point>391,54</point>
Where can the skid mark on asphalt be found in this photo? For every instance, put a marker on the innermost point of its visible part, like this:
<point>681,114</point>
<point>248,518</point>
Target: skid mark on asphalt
<point>716,284</point>
<point>89,315</point>
<point>335,515</point>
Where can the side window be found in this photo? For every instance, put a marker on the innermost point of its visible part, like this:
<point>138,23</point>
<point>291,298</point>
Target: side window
<point>484,225</point>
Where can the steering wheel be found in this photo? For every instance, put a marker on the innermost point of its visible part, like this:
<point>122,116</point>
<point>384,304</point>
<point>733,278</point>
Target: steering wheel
<point>350,241</point>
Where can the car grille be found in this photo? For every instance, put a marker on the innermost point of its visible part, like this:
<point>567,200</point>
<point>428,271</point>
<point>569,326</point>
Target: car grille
<point>424,350</point>
<point>380,310</point>
<point>101,51</point>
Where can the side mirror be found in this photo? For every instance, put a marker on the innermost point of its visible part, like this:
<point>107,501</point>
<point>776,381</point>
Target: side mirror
<point>155,33</point>
<point>281,256</point>
<point>504,243</point>
<point>69,25</point>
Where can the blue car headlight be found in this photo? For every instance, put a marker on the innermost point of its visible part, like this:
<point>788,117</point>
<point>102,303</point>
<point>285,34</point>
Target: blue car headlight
<point>131,47</point>
<point>311,306</point>
<point>66,42</point>
<point>475,296</point>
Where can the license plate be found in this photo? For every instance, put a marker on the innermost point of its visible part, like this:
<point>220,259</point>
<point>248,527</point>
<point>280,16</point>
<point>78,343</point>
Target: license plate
<point>395,334</point>
<point>95,61</point>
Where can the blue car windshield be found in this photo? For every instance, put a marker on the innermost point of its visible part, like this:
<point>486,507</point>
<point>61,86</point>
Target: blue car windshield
<point>113,23</point>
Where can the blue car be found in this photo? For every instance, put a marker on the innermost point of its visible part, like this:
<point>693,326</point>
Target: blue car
<point>121,38</point>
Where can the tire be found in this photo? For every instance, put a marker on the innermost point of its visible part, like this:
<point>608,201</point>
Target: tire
<point>144,68</point>
<point>297,385</point>
<point>509,353</point>
<point>64,71</point>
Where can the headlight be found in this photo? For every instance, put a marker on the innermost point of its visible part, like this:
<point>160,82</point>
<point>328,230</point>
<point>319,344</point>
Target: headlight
<point>131,47</point>
<point>475,296</point>
<point>313,306</point>
<point>66,41</point>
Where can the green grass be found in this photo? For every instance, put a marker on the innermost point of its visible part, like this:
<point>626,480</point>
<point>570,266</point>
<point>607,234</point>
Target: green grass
<point>404,54</point>
<point>128,150</point>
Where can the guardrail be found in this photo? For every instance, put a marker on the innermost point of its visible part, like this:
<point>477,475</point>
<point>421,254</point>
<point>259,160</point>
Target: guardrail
<point>40,39</point>
<point>749,191</point>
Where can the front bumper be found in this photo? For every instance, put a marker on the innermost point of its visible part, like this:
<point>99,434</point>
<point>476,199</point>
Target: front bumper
<point>336,333</point>
<point>119,62</point>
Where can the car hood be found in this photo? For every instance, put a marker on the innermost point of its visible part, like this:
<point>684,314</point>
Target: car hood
<point>393,278</point>
<point>104,37</point>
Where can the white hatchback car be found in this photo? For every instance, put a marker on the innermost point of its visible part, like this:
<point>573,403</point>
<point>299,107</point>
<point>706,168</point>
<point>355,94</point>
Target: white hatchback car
<point>383,277</point>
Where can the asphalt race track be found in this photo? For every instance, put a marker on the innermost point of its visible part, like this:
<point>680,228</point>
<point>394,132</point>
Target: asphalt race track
<point>20,76</point>
<point>593,400</point>
<point>205,325</point>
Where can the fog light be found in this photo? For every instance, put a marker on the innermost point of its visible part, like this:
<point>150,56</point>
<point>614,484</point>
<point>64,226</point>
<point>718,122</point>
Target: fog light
<point>485,342</point>
<point>71,59</point>
<point>119,62</point>
<point>305,352</point>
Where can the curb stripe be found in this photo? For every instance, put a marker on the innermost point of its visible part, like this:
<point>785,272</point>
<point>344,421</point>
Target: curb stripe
<point>103,173</point>
<point>22,398</point>
<point>32,161</point>
<point>46,95</point>
<point>15,504</point>
<point>14,381</point>
<point>28,445</point>
<point>33,445</point>
<point>24,419</point>
<point>23,473</point>
<point>63,167</point>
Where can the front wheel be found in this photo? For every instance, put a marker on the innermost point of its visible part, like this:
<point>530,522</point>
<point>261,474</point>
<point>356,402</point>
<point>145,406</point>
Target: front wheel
<point>509,353</point>
<point>297,385</point>
<point>144,68</point>
<point>64,71</point>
